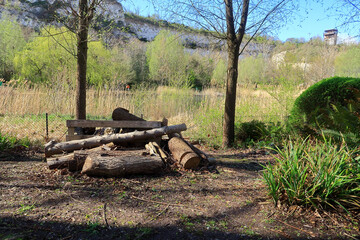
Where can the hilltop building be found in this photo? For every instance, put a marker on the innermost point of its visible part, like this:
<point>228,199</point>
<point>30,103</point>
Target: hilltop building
<point>330,36</point>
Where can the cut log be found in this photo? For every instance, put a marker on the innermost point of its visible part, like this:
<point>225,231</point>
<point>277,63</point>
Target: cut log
<point>52,147</point>
<point>182,153</point>
<point>200,153</point>
<point>74,161</point>
<point>119,165</point>
<point>120,114</point>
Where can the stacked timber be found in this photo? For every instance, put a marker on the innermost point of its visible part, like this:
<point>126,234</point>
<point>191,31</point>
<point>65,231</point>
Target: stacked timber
<point>102,156</point>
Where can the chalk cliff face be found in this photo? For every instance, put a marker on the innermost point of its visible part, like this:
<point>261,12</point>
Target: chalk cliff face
<point>37,13</point>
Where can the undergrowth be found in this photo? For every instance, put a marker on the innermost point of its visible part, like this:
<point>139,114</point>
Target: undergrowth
<point>9,142</point>
<point>315,173</point>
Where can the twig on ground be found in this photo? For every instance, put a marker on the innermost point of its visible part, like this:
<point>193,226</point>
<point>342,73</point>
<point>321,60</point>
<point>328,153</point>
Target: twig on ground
<point>309,233</point>
<point>104,215</point>
<point>348,235</point>
<point>158,215</point>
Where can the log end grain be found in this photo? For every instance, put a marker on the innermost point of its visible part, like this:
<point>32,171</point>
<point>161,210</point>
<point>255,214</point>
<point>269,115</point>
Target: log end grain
<point>190,160</point>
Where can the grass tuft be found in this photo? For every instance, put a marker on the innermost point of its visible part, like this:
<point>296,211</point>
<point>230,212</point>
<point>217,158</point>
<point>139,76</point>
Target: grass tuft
<point>318,174</point>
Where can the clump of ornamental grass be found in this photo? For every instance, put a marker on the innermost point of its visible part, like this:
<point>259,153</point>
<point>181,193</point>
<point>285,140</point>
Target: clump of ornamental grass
<point>318,174</point>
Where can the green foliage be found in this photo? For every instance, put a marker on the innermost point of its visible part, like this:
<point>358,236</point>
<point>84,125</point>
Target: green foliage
<point>8,142</point>
<point>209,126</point>
<point>218,78</point>
<point>332,103</point>
<point>254,130</point>
<point>11,41</point>
<point>347,63</point>
<point>258,132</point>
<point>138,66</point>
<point>167,61</point>
<point>50,58</point>
<point>252,70</point>
<point>319,174</point>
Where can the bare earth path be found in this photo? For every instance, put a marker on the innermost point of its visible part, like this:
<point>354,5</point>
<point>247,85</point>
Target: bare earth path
<point>230,203</point>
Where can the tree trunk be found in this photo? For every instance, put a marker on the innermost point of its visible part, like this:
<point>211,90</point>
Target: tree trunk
<point>183,153</point>
<point>230,99</point>
<point>82,48</point>
<point>52,147</point>
<point>234,39</point>
<point>113,165</point>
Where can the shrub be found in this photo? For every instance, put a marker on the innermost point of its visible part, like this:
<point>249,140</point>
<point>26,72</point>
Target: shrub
<point>256,131</point>
<point>329,104</point>
<point>320,174</point>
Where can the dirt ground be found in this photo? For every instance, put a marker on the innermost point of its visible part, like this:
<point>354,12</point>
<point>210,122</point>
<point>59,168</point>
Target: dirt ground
<point>228,202</point>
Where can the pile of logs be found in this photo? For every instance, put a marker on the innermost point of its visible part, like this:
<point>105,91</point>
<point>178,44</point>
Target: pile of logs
<point>106,156</point>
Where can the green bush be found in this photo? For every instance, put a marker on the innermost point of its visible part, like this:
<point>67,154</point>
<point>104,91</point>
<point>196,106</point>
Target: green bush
<point>255,131</point>
<point>316,174</point>
<point>331,104</point>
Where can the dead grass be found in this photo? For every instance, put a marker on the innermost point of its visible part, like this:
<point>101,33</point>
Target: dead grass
<point>177,105</point>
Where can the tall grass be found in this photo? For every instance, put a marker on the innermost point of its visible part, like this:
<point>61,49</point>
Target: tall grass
<point>201,111</point>
<point>318,174</point>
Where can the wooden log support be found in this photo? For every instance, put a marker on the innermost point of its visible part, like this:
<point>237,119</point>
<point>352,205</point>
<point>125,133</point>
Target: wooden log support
<point>123,114</point>
<point>53,147</point>
<point>113,165</point>
<point>183,153</point>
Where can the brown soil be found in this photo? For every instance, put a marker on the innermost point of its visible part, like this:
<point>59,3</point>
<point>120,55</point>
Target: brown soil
<point>229,202</point>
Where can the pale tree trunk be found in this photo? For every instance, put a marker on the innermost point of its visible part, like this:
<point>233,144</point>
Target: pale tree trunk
<point>234,39</point>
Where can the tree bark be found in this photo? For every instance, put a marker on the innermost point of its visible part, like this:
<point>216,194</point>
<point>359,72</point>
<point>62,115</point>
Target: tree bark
<point>183,153</point>
<point>234,40</point>
<point>114,165</point>
<point>74,161</point>
<point>121,114</point>
<point>85,16</point>
<point>53,147</point>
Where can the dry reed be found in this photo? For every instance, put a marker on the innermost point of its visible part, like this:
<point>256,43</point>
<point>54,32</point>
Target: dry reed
<point>178,105</point>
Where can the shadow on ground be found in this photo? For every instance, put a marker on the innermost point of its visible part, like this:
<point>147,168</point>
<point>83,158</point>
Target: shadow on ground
<point>21,228</point>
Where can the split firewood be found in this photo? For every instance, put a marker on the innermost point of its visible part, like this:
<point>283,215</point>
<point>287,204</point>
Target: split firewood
<point>151,149</point>
<point>183,153</point>
<point>162,154</point>
<point>53,147</point>
<point>121,164</point>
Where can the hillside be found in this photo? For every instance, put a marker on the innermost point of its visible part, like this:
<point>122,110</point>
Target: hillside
<point>37,13</point>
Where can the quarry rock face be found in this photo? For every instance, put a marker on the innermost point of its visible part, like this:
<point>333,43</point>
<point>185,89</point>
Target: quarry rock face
<point>37,13</point>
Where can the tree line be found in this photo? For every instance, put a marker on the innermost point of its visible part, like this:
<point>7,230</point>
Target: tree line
<point>47,57</point>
